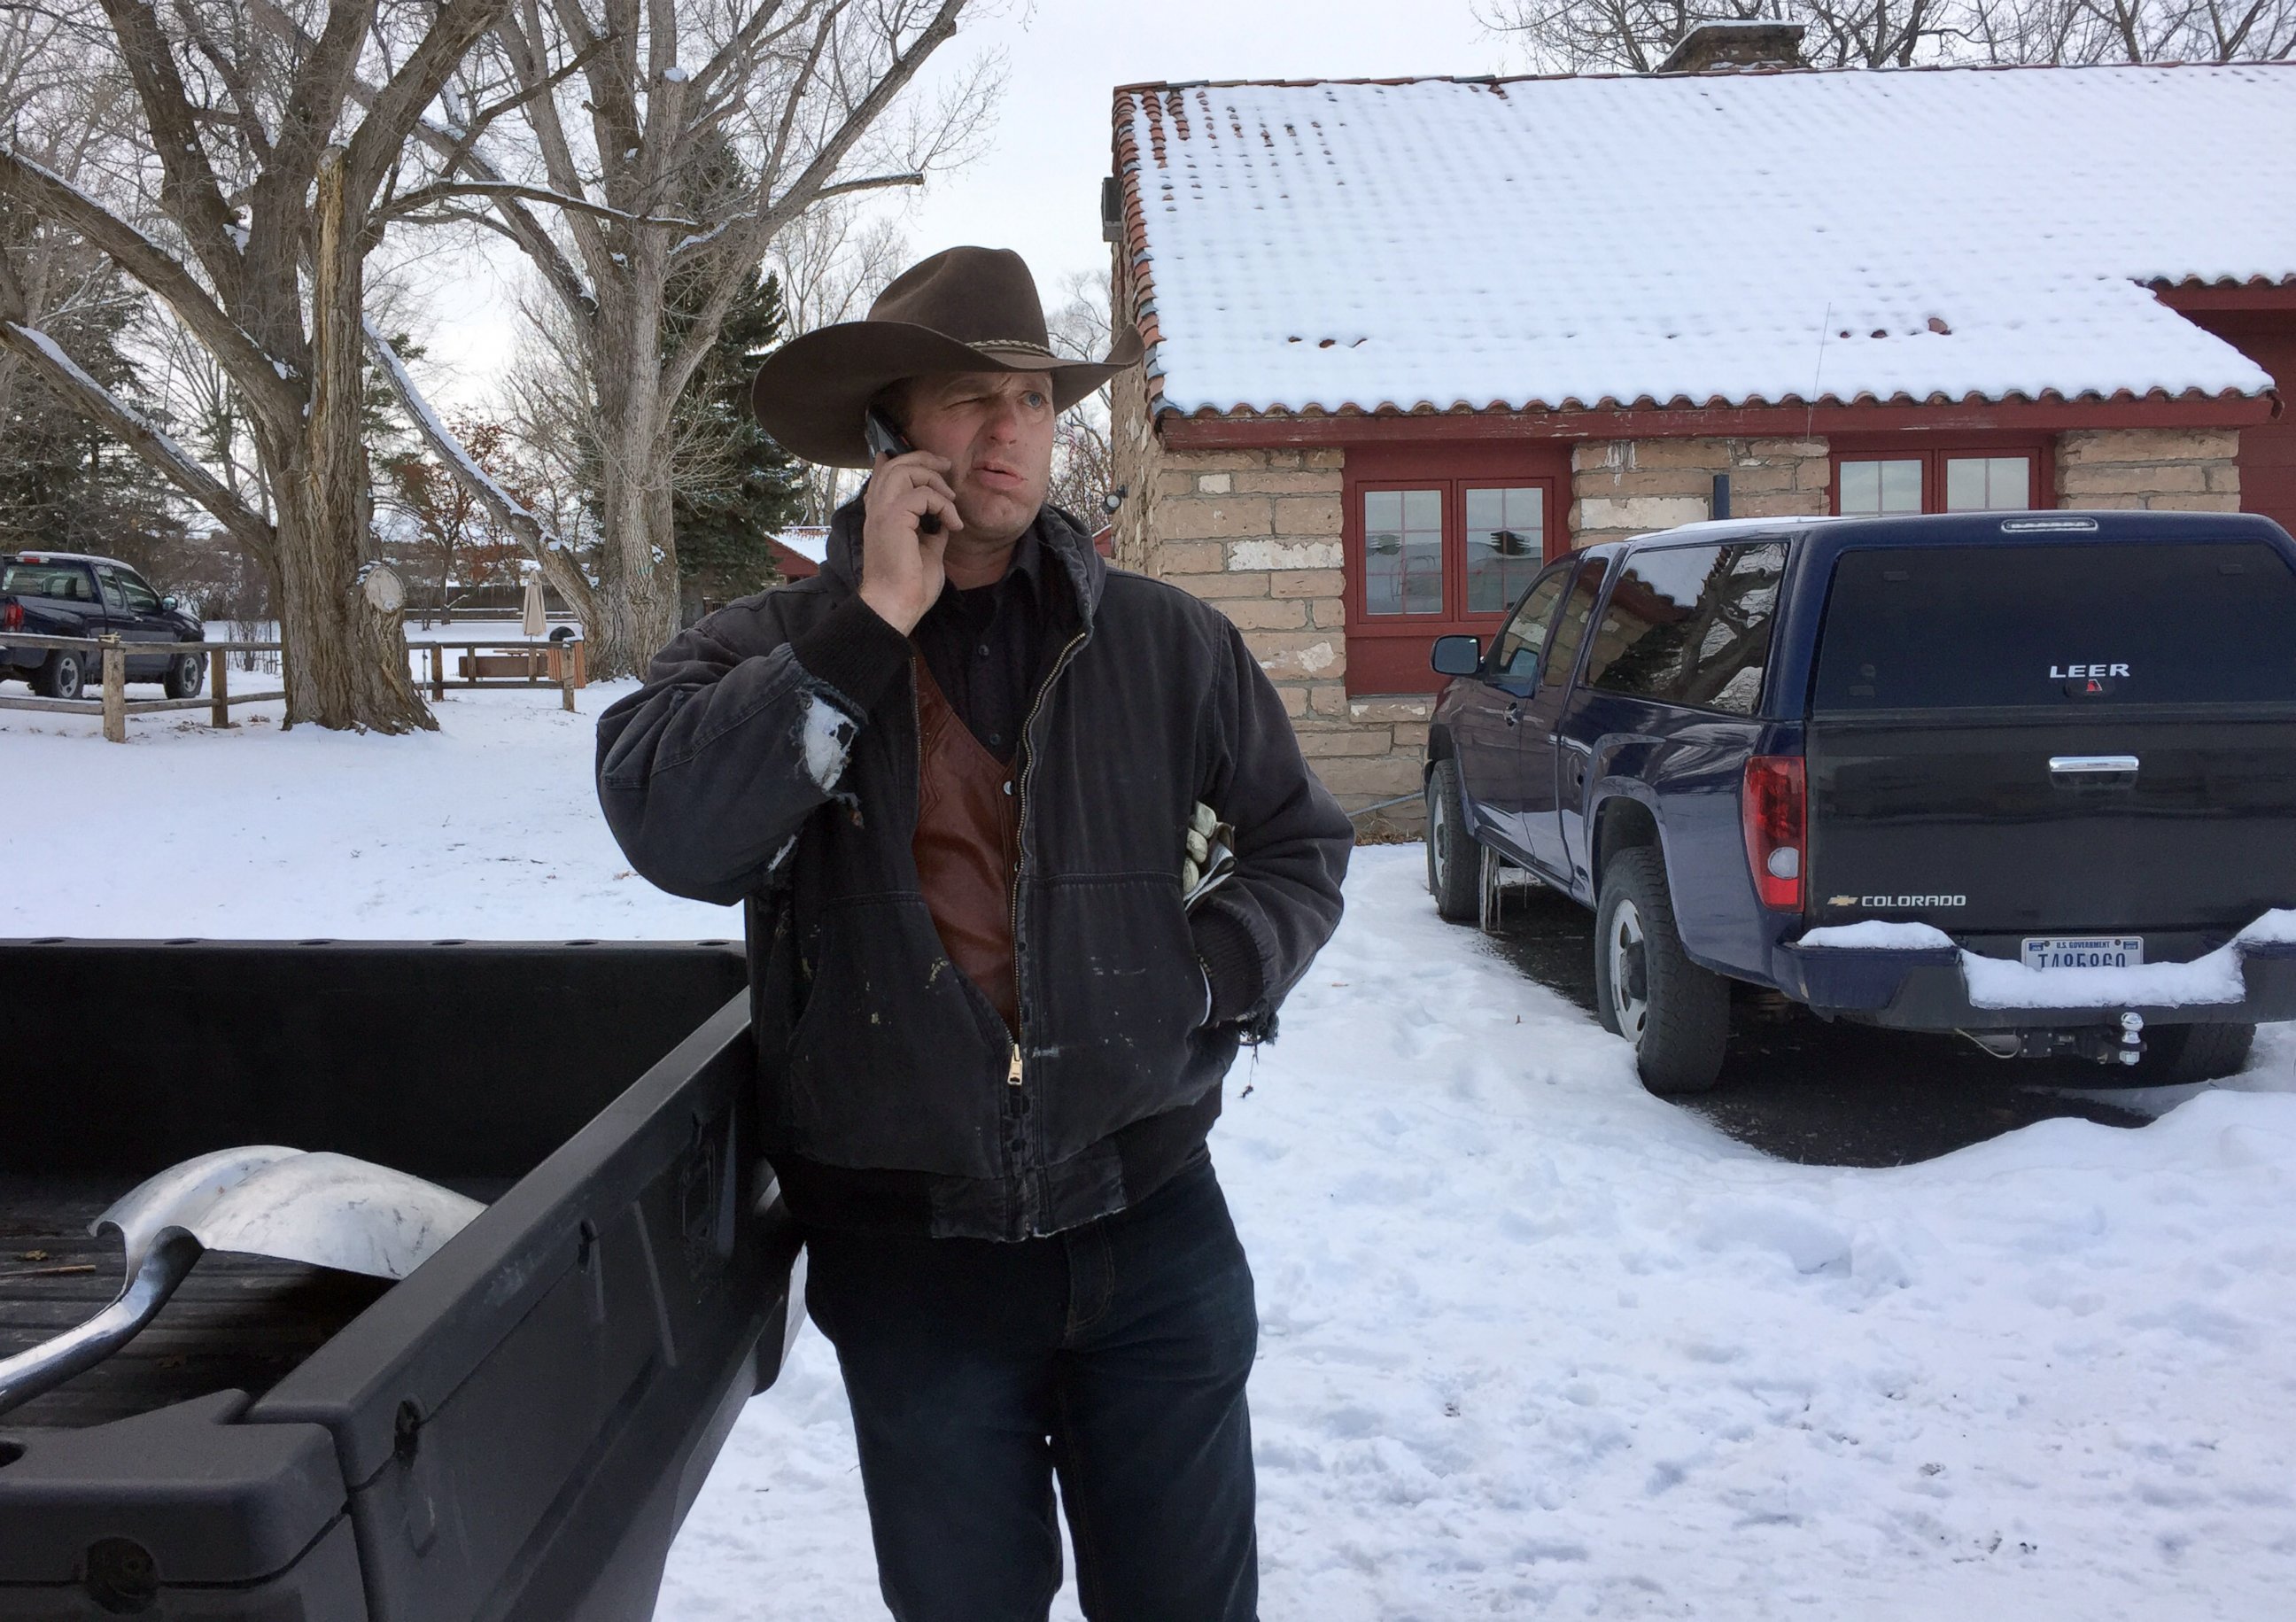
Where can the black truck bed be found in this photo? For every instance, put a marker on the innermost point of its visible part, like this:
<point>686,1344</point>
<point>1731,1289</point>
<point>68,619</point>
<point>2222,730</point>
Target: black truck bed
<point>512,1431</point>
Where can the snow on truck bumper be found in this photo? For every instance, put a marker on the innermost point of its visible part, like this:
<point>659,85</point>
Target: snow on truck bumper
<point>1914,978</point>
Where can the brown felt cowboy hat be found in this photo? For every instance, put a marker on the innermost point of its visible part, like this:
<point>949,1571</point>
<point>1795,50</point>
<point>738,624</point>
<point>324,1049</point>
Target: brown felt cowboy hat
<point>968,309</point>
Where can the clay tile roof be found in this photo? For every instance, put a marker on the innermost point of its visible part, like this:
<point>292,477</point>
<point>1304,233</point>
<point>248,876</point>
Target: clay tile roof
<point>1927,235</point>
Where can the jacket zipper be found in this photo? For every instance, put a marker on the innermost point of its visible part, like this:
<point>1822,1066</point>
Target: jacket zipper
<point>1013,1076</point>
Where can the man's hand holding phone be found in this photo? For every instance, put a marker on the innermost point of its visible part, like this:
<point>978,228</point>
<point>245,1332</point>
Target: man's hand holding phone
<point>901,555</point>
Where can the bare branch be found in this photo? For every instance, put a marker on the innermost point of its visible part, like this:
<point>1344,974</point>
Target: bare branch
<point>506,510</point>
<point>438,191</point>
<point>398,106</point>
<point>874,183</point>
<point>43,354</point>
<point>57,198</point>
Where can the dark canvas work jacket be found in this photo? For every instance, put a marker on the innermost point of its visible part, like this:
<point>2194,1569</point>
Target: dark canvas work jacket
<point>891,1084</point>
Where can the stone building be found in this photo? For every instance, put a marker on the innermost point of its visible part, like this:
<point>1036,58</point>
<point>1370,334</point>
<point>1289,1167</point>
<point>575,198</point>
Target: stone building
<point>1411,338</point>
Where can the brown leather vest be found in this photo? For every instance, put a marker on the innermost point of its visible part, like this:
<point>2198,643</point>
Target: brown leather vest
<point>967,845</point>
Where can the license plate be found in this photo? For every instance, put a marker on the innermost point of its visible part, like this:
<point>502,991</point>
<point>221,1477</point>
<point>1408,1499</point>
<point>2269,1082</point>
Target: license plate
<point>2083,950</point>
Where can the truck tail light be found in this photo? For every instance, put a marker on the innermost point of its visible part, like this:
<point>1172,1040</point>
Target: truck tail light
<point>1775,806</point>
<point>12,616</point>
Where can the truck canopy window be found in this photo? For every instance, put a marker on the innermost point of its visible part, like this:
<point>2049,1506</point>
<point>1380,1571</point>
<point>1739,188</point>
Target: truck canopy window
<point>1691,625</point>
<point>69,582</point>
<point>1998,624</point>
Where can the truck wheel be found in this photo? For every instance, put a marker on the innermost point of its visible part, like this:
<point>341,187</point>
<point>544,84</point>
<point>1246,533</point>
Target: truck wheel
<point>63,677</point>
<point>1676,1013</point>
<point>186,675</point>
<point>1454,860</point>
<point>2184,1055</point>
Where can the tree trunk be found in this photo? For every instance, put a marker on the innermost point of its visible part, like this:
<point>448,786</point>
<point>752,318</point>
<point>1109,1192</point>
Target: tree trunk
<point>350,669</point>
<point>637,600</point>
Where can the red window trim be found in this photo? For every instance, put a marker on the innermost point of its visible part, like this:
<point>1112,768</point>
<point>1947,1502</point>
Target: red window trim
<point>1932,455</point>
<point>1452,469</point>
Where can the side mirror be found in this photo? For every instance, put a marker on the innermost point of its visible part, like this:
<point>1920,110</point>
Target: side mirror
<point>1456,655</point>
<point>168,601</point>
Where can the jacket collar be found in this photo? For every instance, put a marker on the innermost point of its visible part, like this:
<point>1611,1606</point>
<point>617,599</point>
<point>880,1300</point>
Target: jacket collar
<point>1057,533</point>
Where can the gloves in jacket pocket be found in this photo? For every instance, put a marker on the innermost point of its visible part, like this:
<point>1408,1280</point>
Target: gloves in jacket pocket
<point>1207,856</point>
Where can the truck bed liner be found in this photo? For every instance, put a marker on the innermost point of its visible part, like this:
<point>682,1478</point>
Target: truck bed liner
<point>513,1431</point>
<point>238,1322</point>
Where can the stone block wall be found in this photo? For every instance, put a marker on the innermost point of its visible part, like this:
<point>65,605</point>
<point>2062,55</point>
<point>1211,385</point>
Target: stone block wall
<point>2194,470</point>
<point>1622,487</point>
<point>1256,534</point>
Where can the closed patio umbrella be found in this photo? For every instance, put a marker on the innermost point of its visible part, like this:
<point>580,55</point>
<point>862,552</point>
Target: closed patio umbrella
<point>532,620</point>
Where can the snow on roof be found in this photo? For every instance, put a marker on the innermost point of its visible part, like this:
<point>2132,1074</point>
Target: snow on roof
<point>808,541</point>
<point>1739,239</point>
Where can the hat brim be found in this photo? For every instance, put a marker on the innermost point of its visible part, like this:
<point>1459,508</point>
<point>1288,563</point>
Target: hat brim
<point>811,393</point>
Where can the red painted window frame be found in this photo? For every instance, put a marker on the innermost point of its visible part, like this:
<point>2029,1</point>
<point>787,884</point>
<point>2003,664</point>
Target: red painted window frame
<point>1933,455</point>
<point>1388,652</point>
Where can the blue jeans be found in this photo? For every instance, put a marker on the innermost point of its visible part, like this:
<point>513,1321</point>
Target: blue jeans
<point>1114,1356</point>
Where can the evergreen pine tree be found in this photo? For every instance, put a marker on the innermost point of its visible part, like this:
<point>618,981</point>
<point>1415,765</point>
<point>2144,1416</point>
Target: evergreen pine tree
<point>64,482</point>
<point>722,528</point>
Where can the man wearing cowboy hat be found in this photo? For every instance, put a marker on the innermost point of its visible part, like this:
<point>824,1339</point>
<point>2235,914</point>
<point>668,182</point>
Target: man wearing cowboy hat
<point>954,777</point>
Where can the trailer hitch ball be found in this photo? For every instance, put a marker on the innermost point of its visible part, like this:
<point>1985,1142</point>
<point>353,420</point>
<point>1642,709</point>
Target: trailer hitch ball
<point>2132,1037</point>
<point>122,1576</point>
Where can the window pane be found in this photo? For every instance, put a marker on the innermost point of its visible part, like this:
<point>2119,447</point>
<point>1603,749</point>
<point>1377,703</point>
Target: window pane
<point>1870,489</point>
<point>1985,625</point>
<point>140,601</point>
<point>1733,638</point>
<point>1861,486</point>
<point>1506,544</point>
<point>1423,572</point>
<point>1403,552</point>
<point>1644,644</point>
<point>1989,484</point>
<point>1525,636</point>
<point>1570,629</point>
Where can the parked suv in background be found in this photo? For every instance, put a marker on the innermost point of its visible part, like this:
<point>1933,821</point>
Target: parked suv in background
<point>2027,776</point>
<point>73,594</point>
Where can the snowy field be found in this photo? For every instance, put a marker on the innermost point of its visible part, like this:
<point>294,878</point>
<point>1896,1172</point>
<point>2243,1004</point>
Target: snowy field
<point>1534,1343</point>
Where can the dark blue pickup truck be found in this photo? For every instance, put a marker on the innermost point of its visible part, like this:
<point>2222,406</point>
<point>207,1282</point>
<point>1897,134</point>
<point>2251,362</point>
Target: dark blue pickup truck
<point>72,593</point>
<point>2027,776</point>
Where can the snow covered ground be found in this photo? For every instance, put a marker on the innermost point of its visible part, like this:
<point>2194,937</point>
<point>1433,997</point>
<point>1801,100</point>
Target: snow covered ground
<point>1534,1343</point>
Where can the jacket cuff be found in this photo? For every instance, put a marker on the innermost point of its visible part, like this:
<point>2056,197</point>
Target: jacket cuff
<point>855,652</point>
<point>1231,963</point>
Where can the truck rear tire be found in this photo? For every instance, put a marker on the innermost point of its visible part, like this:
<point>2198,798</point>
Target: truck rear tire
<point>1454,861</point>
<point>1647,990</point>
<point>186,675</point>
<point>63,677</point>
<point>2186,1055</point>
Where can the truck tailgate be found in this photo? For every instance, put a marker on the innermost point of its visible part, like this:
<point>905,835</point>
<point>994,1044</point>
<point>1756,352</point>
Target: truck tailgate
<point>2059,735</point>
<point>1964,824</point>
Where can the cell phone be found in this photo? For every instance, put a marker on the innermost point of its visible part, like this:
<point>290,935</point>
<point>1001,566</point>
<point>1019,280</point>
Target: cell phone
<point>885,440</point>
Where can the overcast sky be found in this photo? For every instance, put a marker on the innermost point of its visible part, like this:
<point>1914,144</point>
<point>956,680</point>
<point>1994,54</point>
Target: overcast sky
<point>1036,186</point>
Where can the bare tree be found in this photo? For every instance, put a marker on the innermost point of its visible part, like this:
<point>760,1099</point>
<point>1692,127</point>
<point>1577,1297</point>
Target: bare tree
<point>1084,452</point>
<point>265,195</point>
<point>1634,36</point>
<point>672,143</point>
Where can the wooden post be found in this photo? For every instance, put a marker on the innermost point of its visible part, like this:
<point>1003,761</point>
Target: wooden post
<point>115,691</point>
<point>566,683</point>
<point>581,663</point>
<point>218,688</point>
<point>438,671</point>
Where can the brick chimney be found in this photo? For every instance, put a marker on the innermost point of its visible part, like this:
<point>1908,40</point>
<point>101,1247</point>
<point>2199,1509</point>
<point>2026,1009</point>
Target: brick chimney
<point>1736,48</point>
